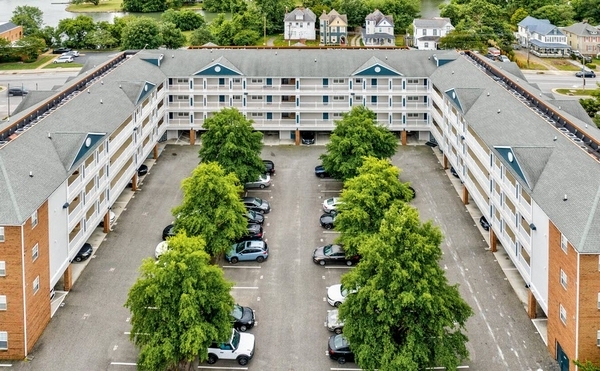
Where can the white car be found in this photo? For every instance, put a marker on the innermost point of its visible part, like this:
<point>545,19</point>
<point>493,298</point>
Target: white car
<point>331,204</point>
<point>332,322</point>
<point>337,294</point>
<point>262,182</point>
<point>503,58</point>
<point>63,59</point>
<point>240,348</point>
<point>161,248</point>
<point>72,53</point>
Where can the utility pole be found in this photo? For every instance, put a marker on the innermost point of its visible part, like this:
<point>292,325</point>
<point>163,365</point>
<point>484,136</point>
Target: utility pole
<point>265,29</point>
<point>583,70</point>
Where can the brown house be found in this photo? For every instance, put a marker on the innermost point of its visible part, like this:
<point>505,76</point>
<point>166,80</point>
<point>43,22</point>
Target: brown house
<point>11,31</point>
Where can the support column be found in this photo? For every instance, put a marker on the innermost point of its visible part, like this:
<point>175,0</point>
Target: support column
<point>134,182</point>
<point>192,137</point>
<point>155,152</point>
<point>531,305</point>
<point>465,195</point>
<point>444,161</point>
<point>297,137</point>
<point>106,228</point>
<point>68,279</point>
<point>493,241</point>
<point>403,136</point>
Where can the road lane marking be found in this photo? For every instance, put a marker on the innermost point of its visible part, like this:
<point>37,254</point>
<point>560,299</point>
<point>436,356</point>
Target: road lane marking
<point>123,363</point>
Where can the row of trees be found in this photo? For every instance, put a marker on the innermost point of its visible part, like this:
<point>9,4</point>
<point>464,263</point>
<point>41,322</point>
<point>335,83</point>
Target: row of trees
<point>592,105</point>
<point>404,315</point>
<point>182,303</point>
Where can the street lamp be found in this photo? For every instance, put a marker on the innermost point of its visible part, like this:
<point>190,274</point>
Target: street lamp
<point>583,70</point>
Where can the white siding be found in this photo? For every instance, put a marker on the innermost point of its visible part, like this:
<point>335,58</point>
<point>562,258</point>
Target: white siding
<point>58,233</point>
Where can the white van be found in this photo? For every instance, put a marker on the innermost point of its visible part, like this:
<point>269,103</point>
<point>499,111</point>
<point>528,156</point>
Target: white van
<point>240,347</point>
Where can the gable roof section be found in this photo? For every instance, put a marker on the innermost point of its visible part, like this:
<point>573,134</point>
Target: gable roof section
<point>539,26</point>
<point>306,14</point>
<point>375,67</point>
<point>464,98</point>
<point>436,22</point>
<point>582,29</point>
<point>379,18</point>
<point>532,161</point>
<point>7,26</point>
<point>220,67</point>
<point>334,17</point>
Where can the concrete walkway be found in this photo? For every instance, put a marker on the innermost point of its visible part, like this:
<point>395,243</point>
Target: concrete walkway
<point>270,41</point>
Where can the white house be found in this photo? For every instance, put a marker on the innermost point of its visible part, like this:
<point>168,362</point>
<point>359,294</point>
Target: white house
<point>379,29</point>
<point>299,24</point>
<point>542,37</point>
<point>428,31</point>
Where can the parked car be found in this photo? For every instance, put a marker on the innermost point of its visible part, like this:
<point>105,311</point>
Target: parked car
<point>254,218</point>
<point>169,231</point>
<point>332,322</point>
<point>111,216</point>
<point>65,59</point>
<point>586,74</point>
<point>84,253</point>
<point>327,220</point>
<point>414,193</point>
<point>142,170</point>
<point>484,223</point>
<point>248,250</point>
<point>337,294</point>
<point>269,167</point>
<point>243,318</point>
<point>503,58</point>
<point>72,53</point>
<point>320,172</point>
<point>575,54</point>
<point>256,204</point>
<point>339,349</point>
<point>308,137</point>
<point>333,254</point>
<point>255,231</point>
<point>239,347</point>
<point>61,50</point>
<point>331,204</point>
<point>161,248</point>
<point>17,92</point>
<point>262,182</point>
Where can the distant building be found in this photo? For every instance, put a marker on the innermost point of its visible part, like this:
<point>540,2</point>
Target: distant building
<point>299,24</point>
<point>429,31</point>
<point>542,38</point>
<point>11,31</point>
<point>379,30</point>
<point>333,28</point>
<point>583,37</point>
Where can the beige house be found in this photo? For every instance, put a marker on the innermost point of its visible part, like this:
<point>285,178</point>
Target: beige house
<point>584,37</point>
<point>11,31</point>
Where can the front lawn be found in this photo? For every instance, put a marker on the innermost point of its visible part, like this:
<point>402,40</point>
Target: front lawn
<point>63,65</point>
<point>563,64</point>
<point>576,92</point>
<point>105,6</point>
<point>26,66</point>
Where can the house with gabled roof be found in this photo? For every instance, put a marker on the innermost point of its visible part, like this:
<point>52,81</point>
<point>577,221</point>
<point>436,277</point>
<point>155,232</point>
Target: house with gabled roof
<point>299,24</point>
<point>542,38</point>
<point>10,31</point>
<point>584,37</point>
<point>429,31</point>
<point>379,30</point>
<point>333,28</point>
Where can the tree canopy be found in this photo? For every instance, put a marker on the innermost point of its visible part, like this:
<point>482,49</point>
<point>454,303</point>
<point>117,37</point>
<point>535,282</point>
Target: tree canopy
<point>355,136</point>
<point>179,306</point>
<point>185,20</point>
<point>231,141</point>
<point>75,30</point>
<point>211,207</point>
<point>405,315</point>
<point>140,33</point>
<point>171,36</point>
<point>144,6</point>
<point>30,18</point>
<point>365,200</point>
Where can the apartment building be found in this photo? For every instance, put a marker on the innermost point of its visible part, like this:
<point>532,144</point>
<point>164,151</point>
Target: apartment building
<point>529,162</point>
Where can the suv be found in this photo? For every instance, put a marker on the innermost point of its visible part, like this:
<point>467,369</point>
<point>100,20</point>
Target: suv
<point>239,347</point>
<point>17,92</point>
<point>269,167</point>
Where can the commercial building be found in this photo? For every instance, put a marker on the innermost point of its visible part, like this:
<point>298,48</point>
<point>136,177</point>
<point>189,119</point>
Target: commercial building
<point>529,162</point>
<point>11,31</point>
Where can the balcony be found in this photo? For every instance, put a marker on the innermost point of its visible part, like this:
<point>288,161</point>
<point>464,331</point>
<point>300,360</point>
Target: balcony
<point>75,181</point>
<point>410,123</point>
<point>325,89</point>
<point>179,87</point>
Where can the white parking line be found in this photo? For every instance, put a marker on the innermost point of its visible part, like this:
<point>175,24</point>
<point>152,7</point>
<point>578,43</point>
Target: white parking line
<point>123,363</point>
<point>331,232</point>
<point>241,266</point>
<point>443,368</point>
<point>222,368</point>
<point>339,267</point>
<point>330,191</point>
<point>245,287</point>
<point>5,365</point>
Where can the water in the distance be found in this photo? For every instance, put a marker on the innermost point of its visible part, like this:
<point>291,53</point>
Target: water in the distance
<point>430,8</point>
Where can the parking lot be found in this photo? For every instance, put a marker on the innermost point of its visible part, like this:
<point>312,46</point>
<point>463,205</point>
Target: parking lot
<point>91,330</point>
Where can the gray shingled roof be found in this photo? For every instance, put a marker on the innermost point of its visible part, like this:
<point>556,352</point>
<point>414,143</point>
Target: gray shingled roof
<point>378,16</point>
<point>539,26</point>
<point>582,29</point>
<point>306,14</point>
<point>6,26</point>
<point>436,22</point>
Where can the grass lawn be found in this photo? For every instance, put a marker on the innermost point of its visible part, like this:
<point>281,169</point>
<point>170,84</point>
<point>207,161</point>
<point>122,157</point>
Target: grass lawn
<point>522,63</point>
<point>63,65</point>
<point>563,64</point>
<point>104,6</point>
<point>577,92</point>
<point>26,66</point>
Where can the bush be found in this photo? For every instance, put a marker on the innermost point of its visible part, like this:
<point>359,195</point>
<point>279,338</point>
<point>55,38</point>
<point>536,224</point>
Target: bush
<point>591,66</point>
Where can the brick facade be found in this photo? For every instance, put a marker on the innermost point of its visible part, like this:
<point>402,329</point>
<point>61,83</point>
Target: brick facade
<point>19,258</point>
<point>589,314</point>
<point>13,34</point>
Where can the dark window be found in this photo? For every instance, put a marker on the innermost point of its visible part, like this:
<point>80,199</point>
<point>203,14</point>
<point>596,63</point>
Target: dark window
<point>221,98</point>
<point>221,81</point>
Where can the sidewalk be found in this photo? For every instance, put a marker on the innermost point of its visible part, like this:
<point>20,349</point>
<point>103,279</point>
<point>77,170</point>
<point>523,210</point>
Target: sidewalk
<point>41,69</point>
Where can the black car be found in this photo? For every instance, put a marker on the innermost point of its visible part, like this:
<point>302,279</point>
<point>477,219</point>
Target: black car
<point>320,172</point>
<point>269,167</point>
<point>308,137</point>
<point>142,170</point>
<point>243,318</point>
<point>169,231</point>
<point>586,74</point>
<point>254,217</point>
<point>61,50</point>
<point>17,92</point>
<point>255,231</point>
<point>339,349</point>
<point>484,223</point>
<point>256,204</point>
<point>332,254</point>
<point>328,220</point>
<point>84,253</point>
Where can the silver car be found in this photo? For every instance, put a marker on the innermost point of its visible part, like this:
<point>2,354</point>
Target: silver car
<point>332,322</point>
<point>65,59</point>
<point>262,182</point>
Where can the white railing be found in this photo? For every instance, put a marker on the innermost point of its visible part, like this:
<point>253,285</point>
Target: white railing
<point>74,187</point>
<point>75,215</point>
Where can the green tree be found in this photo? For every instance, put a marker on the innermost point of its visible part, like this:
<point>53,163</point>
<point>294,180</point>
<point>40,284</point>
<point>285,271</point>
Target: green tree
<point>560,15</point>
<point>587,9</point>
<point>185,20</point>
<point>274,11</point>
<point>179,306</point>
<point>366,198</point>
<point>49,34</point>
<point>144,6</point>
<point>518,16</point>
<point>74,30</point>
<point>587,366</point>
<point>30,17</point>
<point>231,141</point>
<point>246,37</point>
<point>201,36</point>
<point>405,315</point>
<point>402,11</point>
<point>211,207</point>
<point>94,2</point>
<point>355,10</point>
<point>355,136</point>
<point>171,36</point>
<point>29,48</point>
<point>140,33</point>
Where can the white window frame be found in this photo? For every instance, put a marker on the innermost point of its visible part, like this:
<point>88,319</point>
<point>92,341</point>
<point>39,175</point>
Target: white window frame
<point>563,279</point>
<point>256,114</point>
<point>599,300</point>
<point>563,243</point>
<point>256,97</point>
<point>339,97</point>
<point>2,268</point>
<point>36,285</point>
<point>562,313</point>
<point>337,114</point>
<point>237,97</point>
<point>598,338</point>
<point>412,115</point>
<point>180,80</point>
<point>183,114</point>
<point>3,340</point>
<point>3,305</point>
<point>35,252</point>
<point>256,81</point>
<point>34,219</point>
<point>1,234</point>
<point>339,81</point>
<point>412,98</point>
<point>412,81</point>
